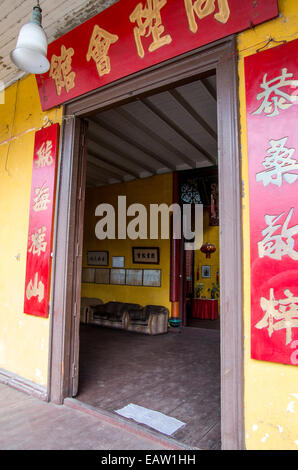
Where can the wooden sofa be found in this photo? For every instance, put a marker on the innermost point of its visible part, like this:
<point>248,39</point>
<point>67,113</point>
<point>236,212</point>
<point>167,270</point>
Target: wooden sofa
<point>151,319</point>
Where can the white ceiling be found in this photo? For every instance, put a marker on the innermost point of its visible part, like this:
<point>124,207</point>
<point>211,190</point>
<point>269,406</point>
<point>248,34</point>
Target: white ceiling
<point>59,17</point>
<point>171,130</point>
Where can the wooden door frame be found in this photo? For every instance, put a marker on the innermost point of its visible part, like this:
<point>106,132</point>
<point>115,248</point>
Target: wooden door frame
<point>220,56</point>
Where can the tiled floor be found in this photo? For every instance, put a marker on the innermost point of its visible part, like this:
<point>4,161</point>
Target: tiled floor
<point>177,374</point>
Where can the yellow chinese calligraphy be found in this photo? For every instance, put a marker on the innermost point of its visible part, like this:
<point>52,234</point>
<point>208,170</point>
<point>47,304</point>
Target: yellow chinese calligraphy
<point>149,22</point>
<point>35,289</point>
<point>99,45</point>
<point>279,240</point>
<point>279,314</point>
<point>279,164</point>
<point>203,8</point>
<point>61,71</point>
<point>275,97</point>
<point>45,155</point>
<point>38,243</point>
<point>41,198</point>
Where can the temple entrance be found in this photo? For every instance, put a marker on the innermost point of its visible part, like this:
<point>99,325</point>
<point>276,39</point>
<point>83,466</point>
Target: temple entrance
<point>137,144</point>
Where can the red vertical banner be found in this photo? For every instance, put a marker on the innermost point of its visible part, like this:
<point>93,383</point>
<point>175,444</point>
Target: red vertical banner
<point>272,114</point>
<point>42,202</point>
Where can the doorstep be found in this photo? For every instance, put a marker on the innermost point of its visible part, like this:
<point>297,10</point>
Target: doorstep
<point>127,425</point>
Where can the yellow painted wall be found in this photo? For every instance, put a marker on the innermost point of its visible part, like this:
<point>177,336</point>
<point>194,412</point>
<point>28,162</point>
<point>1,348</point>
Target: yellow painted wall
<point>271,390</point>
<point>210,235</point>
<point>24,340</point>
<point>271,393</point>
<point>154,190</point>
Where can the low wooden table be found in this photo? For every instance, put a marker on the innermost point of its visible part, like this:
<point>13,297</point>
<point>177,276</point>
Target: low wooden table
<point>205,309</point>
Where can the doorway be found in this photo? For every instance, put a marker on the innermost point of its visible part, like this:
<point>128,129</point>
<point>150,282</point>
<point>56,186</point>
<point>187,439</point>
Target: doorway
<point>199,288</point>
<point>136,151</point>
<point>68,258</point>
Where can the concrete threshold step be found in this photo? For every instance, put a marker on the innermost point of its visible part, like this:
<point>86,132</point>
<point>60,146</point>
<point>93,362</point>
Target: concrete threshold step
<point>127,425</point>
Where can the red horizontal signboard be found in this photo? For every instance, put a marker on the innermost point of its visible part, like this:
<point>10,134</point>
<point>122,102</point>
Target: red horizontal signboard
<point>272,116</point>
<point>38,267</point>
<point>133,35</point>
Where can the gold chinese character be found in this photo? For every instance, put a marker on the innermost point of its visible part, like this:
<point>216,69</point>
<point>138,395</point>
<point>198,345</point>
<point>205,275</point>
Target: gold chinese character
<point>203,8</point>
<point>278,164</point>
<point>38,243</point>
<point>276,245</point>
<point>279,314</point>
<point>61,70</point>
<point>274,97</point>
<point>99,45</point>
<point>149,22</point>
<point>45,155</point>
<point>35,289</point>
<point>41,198</point>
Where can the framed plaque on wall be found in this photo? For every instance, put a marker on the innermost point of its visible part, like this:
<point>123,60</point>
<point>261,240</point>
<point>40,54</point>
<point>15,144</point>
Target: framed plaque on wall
<point>134,277</point>
<point>117,276</point>
<point>145,255</point>
<point>98,258</point>
<point>152,277</point>
<point>102,276</point>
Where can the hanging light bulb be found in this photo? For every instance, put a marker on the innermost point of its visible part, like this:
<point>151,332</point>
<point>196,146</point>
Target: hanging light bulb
<point>30,54</point>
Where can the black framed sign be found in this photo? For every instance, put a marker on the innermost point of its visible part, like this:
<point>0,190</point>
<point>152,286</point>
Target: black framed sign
<point>145,255</point>
<point>98,258</point>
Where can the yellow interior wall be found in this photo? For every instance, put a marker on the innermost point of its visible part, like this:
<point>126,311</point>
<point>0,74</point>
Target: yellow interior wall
<point>24,339</point>
<point>271,393</point>
<point>154,190</point>
<point>210,235</point>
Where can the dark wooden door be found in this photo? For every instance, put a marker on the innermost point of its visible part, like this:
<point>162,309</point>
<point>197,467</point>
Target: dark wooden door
<point>79,218</point>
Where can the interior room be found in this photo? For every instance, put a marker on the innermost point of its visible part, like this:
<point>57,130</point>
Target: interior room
<point>139,345</point>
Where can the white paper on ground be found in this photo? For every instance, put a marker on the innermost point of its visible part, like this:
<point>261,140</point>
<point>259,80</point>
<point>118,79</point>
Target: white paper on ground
<point>153,419</point>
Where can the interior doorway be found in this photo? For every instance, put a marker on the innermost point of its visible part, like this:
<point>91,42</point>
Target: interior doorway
<point>66,321</point>
<point>199,288</point>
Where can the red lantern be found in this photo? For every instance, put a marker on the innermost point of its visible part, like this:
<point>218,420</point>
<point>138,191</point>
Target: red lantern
<point>208,248</point>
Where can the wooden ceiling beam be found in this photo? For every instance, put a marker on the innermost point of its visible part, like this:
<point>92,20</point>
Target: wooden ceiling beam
<point>164,117</point>
<point>209,89</point>
<point>111,148</point>
<point>194,114</point>
<point>157,138</point>
<point>117,165</point>
<point>134,143</point>
<point>94,180</point>
<point>95,162</point>
<point>99,172</point>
